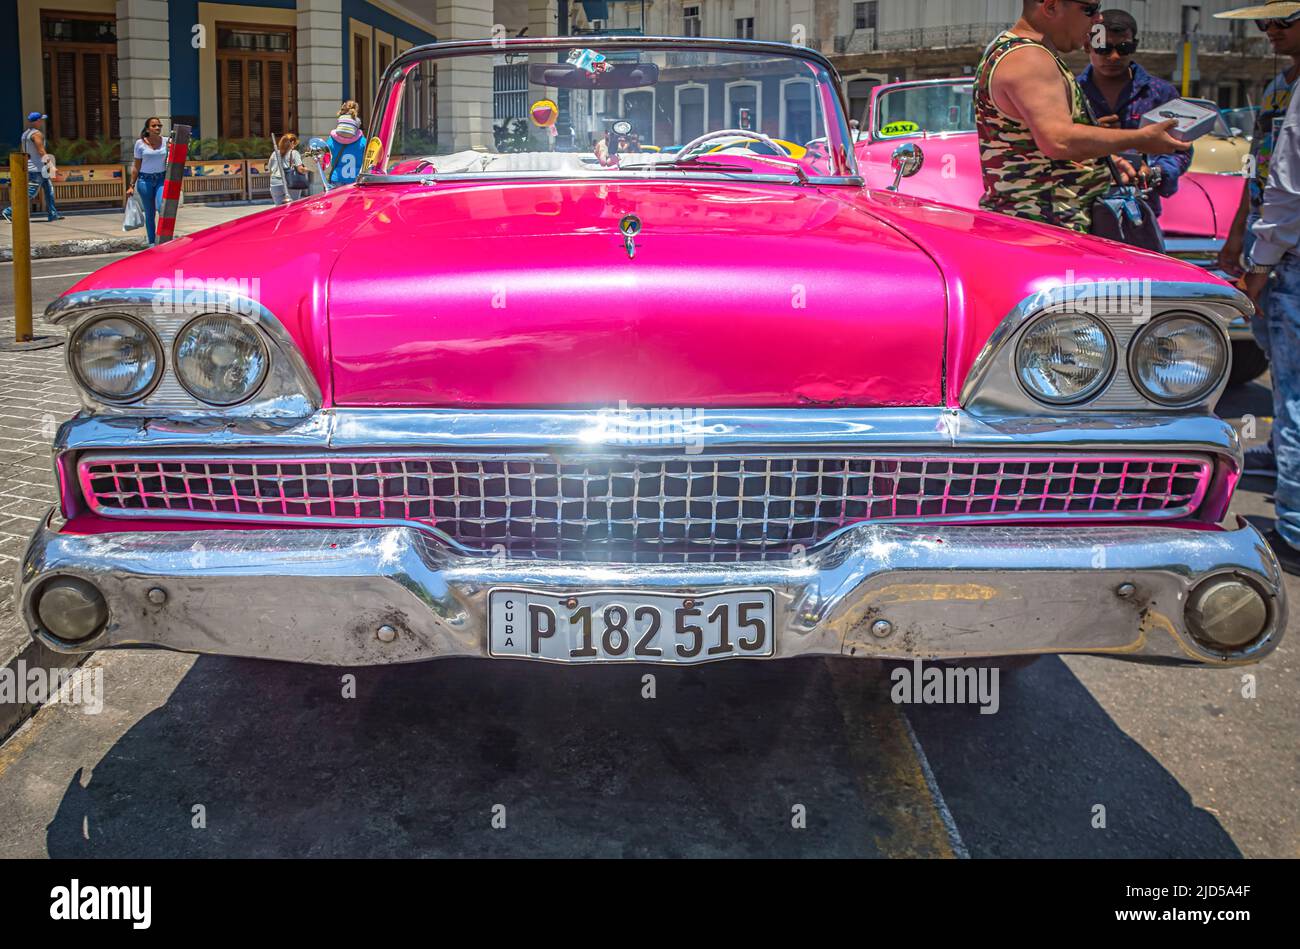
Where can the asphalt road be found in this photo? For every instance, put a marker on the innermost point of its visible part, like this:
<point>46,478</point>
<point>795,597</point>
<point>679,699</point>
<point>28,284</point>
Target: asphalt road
<point>49,279</point>
<point>722,761</point>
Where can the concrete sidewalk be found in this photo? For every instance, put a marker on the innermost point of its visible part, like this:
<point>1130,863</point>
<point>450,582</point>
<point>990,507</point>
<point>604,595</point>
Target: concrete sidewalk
<point>100,232</point>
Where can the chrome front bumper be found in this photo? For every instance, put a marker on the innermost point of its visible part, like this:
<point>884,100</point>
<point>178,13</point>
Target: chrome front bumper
<point>321,596</point>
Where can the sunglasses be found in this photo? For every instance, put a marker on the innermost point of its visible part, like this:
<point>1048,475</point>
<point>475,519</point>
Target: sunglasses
<point>1280,23</point>
<point>1089,9</point>
<point>1126,48</point>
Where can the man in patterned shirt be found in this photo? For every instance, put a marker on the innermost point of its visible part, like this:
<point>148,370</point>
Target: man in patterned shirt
<point>1040,152</point>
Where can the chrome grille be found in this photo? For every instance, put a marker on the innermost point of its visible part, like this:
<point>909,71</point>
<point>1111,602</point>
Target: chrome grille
<point>693,502</point>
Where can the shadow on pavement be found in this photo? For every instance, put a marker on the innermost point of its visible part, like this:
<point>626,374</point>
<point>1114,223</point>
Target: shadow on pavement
<point>585,766</point>
<point>1254,398</point>
<point>416,762</point>
<point>1024,782</point>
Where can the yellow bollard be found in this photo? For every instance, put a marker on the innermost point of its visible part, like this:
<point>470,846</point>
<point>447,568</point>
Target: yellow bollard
<point>22,229</point>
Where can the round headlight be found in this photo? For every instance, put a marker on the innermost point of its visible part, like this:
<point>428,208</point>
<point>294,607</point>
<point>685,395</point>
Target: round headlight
<point>1178,359</point>
<point>1064,358</point>
<point>220,359</point>
<point>115,358</point>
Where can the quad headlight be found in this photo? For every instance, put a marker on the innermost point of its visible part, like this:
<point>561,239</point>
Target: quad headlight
<point>220,359</point>
<point>115,358</point>
<point>1064,358</point>
<point>1178,359</point>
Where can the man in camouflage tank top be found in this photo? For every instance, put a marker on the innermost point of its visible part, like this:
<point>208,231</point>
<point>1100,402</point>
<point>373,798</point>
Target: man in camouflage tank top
<point>1042,156</point>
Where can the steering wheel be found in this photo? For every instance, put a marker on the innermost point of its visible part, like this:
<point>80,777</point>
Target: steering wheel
<point>721,133</point>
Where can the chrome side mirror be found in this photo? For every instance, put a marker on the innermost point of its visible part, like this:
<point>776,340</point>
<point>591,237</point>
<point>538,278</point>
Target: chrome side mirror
<point>906,161</point>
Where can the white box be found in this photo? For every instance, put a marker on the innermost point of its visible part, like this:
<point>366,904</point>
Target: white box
<point>1194,119</point>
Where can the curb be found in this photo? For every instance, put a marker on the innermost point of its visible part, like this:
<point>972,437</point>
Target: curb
<point>78,248</point>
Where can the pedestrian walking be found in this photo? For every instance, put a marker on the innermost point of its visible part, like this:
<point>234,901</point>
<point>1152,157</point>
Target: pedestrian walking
<point>147,173</point>
<point>288,172</point>
<point>40,167</point>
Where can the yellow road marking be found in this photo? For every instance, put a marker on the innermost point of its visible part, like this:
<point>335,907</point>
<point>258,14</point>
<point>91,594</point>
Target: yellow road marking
<point>885,763</point>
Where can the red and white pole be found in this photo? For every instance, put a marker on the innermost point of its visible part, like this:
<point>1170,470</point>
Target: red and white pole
<point>177,152</point>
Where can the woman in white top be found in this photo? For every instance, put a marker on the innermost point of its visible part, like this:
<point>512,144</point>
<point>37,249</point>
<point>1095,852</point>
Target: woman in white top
<point>148,171</point>
<point>286,166</point>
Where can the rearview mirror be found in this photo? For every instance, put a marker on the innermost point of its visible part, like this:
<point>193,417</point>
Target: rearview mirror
<point>906,161</point>
<point>614,76</point>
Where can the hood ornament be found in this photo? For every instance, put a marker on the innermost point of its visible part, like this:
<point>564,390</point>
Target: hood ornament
<point>631,227</point>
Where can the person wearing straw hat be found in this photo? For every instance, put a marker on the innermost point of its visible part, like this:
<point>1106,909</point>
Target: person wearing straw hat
<point>1273,265</point>
<point>1280,21</point>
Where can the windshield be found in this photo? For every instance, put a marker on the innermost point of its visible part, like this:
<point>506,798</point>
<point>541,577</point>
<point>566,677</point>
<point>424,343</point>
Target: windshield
<point>560,108</point>
<point>925,109</point>
<point>1242,118</point>
<point>1221,128</point>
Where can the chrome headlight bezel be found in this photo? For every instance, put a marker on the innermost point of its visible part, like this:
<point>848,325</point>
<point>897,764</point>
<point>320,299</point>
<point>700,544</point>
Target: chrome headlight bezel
<point>992,388</point>
<point>1152,327</point>
<point>79,376</point>
<point>1103,378</point>
<point>289,389</point>
<point>254,334</point>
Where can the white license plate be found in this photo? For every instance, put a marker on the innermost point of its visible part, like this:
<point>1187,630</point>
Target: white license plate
<point>630,626</point>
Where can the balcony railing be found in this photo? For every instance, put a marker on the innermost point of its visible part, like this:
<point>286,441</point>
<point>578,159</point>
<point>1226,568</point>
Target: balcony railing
<point>980,34</point>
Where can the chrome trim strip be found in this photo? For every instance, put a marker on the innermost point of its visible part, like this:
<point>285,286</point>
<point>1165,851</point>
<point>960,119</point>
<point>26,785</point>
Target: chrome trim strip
<point>951,592</point>
<point>579,431</point>
<point>289,390</point>
<point>993,387</point>
<point>1175,246</point>
<point>370,179</point>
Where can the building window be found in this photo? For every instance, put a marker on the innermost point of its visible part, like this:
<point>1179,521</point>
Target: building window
<point>510,91</point>
<point>256,82</point>
<point>692,112</point>
<point>385,57</point>
<point>361,74</point>
<point>743,106</point>
<point>79,63</point>
<point>639,109</point>
<point>859,95</point>
<point>797,110</point>
<point>691,21</point>
<point>864,15</point>
<point>745,28</point>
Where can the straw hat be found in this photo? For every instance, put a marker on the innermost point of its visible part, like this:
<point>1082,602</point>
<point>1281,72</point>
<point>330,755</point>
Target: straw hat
<point>1274,9</point>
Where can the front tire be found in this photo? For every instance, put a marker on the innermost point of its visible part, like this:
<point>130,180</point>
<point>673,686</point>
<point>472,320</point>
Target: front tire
<point>1248,362</point>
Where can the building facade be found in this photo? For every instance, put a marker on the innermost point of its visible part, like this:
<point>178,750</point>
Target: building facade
<point>100,68</point>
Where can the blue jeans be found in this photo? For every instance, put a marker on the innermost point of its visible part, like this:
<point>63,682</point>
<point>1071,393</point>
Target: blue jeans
<point>149,188</point>
<point>36,183</point>
<point>1282,308</point>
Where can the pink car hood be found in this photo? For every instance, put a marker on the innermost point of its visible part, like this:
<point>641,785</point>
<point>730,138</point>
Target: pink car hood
<point>523,294</point>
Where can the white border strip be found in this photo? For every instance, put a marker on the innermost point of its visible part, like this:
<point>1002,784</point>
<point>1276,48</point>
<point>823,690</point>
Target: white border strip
<point>949,824</point>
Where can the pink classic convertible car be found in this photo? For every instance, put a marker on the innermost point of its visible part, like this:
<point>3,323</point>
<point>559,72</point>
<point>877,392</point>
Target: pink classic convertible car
<point>549,395</point>
<point>938,116</point>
